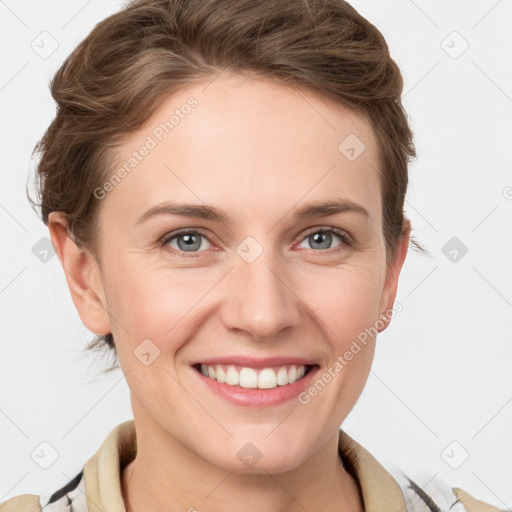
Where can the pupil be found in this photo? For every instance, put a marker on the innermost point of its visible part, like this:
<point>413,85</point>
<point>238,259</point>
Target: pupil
<point>188,242</point>
<point>318,237</point>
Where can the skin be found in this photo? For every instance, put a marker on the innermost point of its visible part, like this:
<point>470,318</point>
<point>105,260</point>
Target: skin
<point>258,151</point>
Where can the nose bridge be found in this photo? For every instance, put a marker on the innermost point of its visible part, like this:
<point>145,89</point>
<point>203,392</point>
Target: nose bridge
<point>261,302</point>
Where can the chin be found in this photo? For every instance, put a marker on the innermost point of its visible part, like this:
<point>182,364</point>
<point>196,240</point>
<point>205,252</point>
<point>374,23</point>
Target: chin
<point>260,457</point>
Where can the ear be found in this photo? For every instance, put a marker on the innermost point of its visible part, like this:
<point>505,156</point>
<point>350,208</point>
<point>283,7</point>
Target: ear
<point>392,274</point>
<point>82,275</point>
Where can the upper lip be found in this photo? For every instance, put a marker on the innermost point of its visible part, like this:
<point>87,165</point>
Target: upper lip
<point>252,362</point>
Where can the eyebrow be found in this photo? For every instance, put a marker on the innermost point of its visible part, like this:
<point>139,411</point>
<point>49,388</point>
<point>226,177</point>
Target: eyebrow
<point>310,210</point>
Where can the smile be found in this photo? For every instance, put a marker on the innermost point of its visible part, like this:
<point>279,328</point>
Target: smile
<point>256,383</point>
<point>261,378</point>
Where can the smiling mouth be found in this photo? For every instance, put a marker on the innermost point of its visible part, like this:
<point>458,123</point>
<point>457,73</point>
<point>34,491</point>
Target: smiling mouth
<point>261,378</point>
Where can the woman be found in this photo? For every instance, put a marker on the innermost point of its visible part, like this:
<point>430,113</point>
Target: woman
<point>224,186</point>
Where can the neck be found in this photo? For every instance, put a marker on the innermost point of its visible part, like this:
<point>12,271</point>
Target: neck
<point>165,475</point>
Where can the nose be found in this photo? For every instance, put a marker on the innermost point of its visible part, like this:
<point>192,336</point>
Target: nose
<point>261,301</point>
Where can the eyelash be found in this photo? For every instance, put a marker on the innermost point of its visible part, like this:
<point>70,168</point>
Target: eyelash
<point>346,240</point>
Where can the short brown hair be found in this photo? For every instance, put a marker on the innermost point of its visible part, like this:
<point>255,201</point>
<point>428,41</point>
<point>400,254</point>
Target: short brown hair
<point>111,84</point>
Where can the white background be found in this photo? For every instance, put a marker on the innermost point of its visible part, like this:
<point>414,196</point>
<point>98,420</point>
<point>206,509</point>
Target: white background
<point>442,370</point>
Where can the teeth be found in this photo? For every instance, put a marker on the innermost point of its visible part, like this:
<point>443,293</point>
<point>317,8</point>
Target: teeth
<point>282,376</point>
<point>267,378</point>
<point>221,374</point>
<point>232,377</point>
<point>248,378</point>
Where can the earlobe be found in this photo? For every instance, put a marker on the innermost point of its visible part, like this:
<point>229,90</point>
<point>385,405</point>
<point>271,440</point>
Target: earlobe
<point>82,275</point>
<point>392,274</point>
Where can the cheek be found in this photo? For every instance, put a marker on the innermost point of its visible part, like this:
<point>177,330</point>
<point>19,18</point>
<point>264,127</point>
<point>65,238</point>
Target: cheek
<point>343,303</point>
<point>156,303</point>
<point>347,311</point>
<point>169,306</point>
<point>344,300</point>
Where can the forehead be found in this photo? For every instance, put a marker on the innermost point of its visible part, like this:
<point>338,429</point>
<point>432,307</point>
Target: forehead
<point>237,141</point>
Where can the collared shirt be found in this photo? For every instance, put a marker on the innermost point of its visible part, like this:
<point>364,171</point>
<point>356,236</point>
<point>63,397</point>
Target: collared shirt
<point>97,487</point>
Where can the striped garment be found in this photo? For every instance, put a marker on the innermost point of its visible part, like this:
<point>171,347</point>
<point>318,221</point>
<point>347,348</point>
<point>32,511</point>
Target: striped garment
<point>71,498</point>
<point>382,489</point>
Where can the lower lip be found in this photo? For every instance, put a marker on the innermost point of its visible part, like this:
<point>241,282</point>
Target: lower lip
<point>255,397</point>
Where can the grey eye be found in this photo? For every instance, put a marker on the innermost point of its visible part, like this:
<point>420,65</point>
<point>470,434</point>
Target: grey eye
<point>321,239</point>
<point>187,242</point>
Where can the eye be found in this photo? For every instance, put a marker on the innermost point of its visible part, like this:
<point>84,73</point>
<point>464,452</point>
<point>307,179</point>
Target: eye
<point>322,238</point>
<point>191,241</point>
<point>184,241</point>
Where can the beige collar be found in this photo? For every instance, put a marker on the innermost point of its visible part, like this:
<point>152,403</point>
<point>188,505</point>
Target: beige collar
<point>102,473</point>
<point>379,489</point>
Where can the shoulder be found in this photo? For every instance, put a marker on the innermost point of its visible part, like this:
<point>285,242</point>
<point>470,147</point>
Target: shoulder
<point>437,495</point>
<point>69,498</point>
<point>21,503</point>
<point>118,448</point>
<point>388,487</point>
<point>472,504</point>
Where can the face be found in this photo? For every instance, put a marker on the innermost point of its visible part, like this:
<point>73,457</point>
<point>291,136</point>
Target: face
<point>249,280</point>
